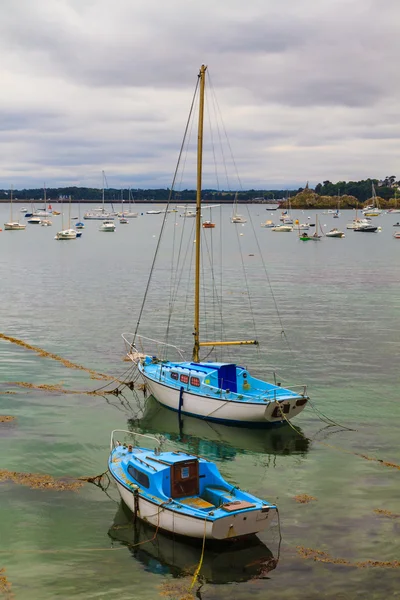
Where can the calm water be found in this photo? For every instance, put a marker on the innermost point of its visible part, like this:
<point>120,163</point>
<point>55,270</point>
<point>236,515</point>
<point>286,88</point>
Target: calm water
<point>339,302</point>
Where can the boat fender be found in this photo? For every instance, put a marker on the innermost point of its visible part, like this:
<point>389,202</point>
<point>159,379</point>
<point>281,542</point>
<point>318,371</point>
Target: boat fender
<point>180,401</point>
<point>130,448</point>
<point>135,504</point>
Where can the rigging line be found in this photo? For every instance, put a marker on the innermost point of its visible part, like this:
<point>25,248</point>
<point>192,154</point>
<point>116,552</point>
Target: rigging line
<point>116,379</point>
<point>218,302</point>
<point>204,292</point>
<point>166,213</point>
<point>283,332</point>
<point>176,222</point>
<point>246,281</point>
<point>179,279</point>
<point>217,111</point>
<point>220,275</point>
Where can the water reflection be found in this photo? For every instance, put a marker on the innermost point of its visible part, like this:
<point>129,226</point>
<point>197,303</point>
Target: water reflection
<point>169,555</point>
<point>217,441</point>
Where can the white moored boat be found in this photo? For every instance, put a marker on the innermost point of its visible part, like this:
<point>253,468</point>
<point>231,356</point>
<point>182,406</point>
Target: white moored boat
<point>283,228</point>
<point>107,226</point>
<point>13,225</point>
<point>182,493</point>
<point>65,234</point>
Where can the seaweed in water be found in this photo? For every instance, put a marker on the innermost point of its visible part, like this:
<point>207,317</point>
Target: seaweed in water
<point>304,498</point>
<point>38,481</point>
<point>5,586</point>
<point>320,556</point>
<point>6,419</point>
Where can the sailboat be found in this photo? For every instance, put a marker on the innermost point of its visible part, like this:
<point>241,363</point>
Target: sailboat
<point>66,234</point>
<point>336,215</point>
<point>236,218</point>
<point>127,214</point>
<point>102,214</point>
<point>373,210</point>
<point>13,225</point>
<point>217,391</point>
<point>79,224</point>
<point>394,210</point>
<point>43,212</point>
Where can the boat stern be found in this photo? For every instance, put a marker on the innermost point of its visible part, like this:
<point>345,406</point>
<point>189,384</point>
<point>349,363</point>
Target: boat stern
<point>240,522</point>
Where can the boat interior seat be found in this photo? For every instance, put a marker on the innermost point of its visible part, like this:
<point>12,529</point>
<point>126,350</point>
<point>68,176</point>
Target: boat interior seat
<point>217,495</point>
<point>197,502</point>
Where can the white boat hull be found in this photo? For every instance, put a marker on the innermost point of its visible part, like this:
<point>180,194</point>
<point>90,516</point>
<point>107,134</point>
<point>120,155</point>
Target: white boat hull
<point>14,226</point>
<point>231,526</point>
<point>224,410</point>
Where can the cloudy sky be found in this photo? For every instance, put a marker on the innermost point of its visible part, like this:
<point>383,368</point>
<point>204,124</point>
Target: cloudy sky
<point>308,89</point>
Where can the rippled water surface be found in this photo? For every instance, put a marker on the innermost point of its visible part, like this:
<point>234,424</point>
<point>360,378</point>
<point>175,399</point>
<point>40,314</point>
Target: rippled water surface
<point>339,305</point>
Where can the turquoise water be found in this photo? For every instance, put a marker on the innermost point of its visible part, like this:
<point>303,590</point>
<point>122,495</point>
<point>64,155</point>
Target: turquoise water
<point>339,303</point>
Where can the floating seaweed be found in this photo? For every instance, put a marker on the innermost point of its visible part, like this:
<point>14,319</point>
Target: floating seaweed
<point>5,586</point>
<point>386,513</point>
<point>321,556</point>
<point>176,590</point>
<point>55,388</point>
<point>6,419</point>
<point>39,481</point>
<point>304,498</point>
<point>67,363</point>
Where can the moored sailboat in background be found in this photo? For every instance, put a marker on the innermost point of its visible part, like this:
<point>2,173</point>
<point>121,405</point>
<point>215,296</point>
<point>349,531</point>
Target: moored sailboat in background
<point>69,233</point>
<point>236,217</point>
<point>13,225</point>
<point>220,391</point>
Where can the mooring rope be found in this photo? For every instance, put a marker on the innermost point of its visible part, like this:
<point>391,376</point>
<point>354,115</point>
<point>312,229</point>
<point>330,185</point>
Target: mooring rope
<point>338,448</point>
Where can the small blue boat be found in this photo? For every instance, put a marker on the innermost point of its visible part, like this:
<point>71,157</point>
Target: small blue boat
<point>183,493</point>
<point>79,225</point>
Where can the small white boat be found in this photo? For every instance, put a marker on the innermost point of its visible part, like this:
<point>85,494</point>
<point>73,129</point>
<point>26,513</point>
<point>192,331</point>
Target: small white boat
<point>34,220</point>
<point>182,493</point>
<point>153,212</point>
<point>336,233</point>
<point>46,223</point>
<point>283,228</point>
<point>14,226</point>
<point>268,224</point>
<point>23,209</point>
<point>302,226</point>
<point>107,226</point>
<point>65,234</point>
<point>128,215</point>
<point>396,235</point>
<point>123,221</point>
<point>358,223</point>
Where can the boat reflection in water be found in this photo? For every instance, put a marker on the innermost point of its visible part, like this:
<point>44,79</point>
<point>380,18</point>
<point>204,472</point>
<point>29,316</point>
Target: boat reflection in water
<point>217,441</point>
<point>166,554</point>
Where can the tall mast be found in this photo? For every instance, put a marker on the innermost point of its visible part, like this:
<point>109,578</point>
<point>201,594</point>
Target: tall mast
<point>196,332</point>
<point>103,193</point>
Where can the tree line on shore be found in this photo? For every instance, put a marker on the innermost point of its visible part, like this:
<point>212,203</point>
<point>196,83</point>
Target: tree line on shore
<point>325,195</point>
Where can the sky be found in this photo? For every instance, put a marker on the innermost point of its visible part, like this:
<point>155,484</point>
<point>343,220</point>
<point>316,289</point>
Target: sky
<point>308,90</point>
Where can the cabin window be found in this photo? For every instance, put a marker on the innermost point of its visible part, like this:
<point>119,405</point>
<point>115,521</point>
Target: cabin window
<point>174,375</point>
<point>139,476</point>
<point>184,378</point>
<point>195,381</point>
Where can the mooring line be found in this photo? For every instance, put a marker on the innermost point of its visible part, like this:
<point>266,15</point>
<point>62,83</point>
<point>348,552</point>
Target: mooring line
<point>338,448</point>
